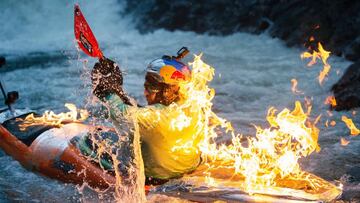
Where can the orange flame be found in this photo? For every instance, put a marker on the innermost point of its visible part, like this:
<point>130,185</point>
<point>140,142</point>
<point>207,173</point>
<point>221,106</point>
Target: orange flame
<point>354,131</point>
<point>51,118</point>
<point>333,123</point>
<point>274,152</point>
<point>262,160</point>
<point>330,100</point>
<point>344,142</point>
<point>266,160</point>
<point>324,73</point>
<point>294,89</point>
<point>321,54</point>
<point>308,105</point>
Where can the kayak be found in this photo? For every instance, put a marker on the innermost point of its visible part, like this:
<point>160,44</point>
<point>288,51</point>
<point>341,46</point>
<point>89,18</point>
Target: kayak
<point>225,184</point>
<point>53,152</point>
<point>50,150</point>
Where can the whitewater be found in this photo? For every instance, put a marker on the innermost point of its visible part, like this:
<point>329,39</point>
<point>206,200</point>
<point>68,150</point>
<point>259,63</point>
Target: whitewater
<point>253,72</point>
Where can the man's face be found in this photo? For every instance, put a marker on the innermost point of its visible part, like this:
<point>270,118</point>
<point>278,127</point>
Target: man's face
<point>150,96</point>
<point>150,93</point>
<point>160,93</point>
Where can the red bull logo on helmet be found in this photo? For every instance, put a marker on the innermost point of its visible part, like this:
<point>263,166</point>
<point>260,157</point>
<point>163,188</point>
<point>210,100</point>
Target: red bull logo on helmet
<point>170,70</point>
<point>178,75</point>
<point>171,75</point>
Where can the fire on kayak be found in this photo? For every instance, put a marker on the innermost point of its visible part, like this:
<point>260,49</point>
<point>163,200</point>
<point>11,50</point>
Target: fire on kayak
<point>265,160</point>
<point>51,118</point>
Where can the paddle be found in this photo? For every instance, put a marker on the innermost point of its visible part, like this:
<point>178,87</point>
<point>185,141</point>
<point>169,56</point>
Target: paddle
<point>87,42</point>
<point>10,97</point>
<point>84,36</point>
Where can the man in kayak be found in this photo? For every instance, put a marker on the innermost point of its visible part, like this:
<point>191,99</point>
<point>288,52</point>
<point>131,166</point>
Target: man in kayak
<point>168,151</point>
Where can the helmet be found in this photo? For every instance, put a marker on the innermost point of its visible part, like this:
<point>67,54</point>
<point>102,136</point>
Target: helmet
<point>163,76</point>
<point>168,70</point>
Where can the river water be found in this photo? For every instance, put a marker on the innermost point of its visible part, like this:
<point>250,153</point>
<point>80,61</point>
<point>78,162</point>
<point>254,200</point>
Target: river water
<point>253,72</point>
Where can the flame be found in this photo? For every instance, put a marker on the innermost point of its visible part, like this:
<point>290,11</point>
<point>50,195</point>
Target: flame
<point>51,118</point>
<point>354,131</point>
<point>181,121</point>
<point>210,180</point>
<point>333,123</point>
<point>344,142</point>
<point>308,105</point>
<point>294,89</point>
<point>331,101</point>
<point>320,54</point>
<point>324,73</point>
<point>262,160</point>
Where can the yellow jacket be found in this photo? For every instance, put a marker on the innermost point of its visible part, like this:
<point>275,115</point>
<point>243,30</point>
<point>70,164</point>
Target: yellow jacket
<point>169,136</point>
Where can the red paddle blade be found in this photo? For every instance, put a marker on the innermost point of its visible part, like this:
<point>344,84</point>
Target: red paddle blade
<point>84,36</point>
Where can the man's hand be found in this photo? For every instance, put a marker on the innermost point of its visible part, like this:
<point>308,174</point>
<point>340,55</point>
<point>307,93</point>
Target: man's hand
<point>106,78</point>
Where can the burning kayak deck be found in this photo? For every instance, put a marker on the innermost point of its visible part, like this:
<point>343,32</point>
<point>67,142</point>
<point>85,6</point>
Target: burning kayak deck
<point>51,154</point>
<point>223,185</point>
<point>26,136</point>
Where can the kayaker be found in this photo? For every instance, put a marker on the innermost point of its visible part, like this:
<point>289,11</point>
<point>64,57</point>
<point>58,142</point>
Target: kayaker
<point>168,151</point>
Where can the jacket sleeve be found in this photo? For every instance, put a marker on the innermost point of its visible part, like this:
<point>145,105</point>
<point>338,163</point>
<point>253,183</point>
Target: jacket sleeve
<point>144,115</point>
<point>117,107</point>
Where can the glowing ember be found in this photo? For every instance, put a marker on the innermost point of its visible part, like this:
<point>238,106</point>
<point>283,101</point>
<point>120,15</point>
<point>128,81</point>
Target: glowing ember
<point>294,89</point>
<point>324,73</point>
<point>321,54</point>
<point>51,118</point>
<point>333,123</point>
<point>354,131</point>
<point>308,105</point>
<point>331,101</point>
<point>344,142</point>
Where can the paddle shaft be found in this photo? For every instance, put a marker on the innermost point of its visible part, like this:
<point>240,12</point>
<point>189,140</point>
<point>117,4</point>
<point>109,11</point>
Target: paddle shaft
<point>3,62</point>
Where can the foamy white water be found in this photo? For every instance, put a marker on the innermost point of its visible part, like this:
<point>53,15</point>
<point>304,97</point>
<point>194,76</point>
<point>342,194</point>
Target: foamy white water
<point>252,74</point>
